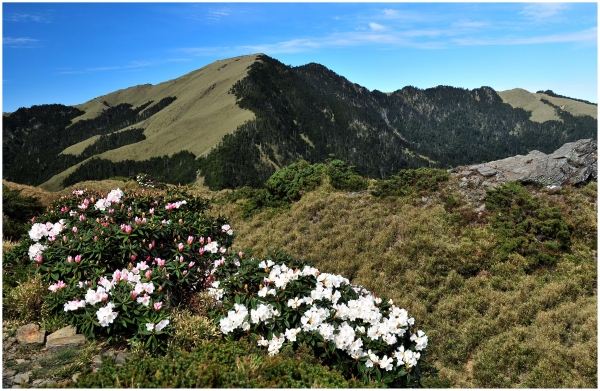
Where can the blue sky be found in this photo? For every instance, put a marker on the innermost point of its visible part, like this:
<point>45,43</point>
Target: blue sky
<point>72,52</point>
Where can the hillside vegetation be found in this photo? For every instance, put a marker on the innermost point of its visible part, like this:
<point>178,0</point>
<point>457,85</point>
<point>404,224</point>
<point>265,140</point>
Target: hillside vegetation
<point>507,296</point>
<point>309,112</point>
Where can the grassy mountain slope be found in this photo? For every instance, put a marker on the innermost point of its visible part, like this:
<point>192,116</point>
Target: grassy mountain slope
<point>196,121</point>
<point>497,315</point>
<point>541,112</point>
<point>493,320</point>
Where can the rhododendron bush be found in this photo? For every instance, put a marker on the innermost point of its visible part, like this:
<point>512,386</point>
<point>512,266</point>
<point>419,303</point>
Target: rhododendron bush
<point>115,263</point>
<point>285,301</point>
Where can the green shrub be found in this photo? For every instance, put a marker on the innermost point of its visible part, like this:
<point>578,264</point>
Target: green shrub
<point>411,182</point>
<point>295,180</point>
<point>115,265</point>
<point>17,211</point>
<point>343,176</point>
<point>525,226</point>
<point>239,364</point>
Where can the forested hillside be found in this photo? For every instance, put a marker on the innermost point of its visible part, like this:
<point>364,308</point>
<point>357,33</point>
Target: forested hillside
<point>33,138</point>
<point>310,112</point>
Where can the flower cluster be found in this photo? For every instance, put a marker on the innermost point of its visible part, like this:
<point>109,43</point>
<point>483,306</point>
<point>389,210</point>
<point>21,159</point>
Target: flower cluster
<point>114,197</point>
<point>116,263</point>
<point>363,334</point>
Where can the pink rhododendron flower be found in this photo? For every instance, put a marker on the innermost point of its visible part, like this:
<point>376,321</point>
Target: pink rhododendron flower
<point>158,306</point>
<point>180,246</point>
<point>148,274</point>
<point>75,230</point>
<point>190,240</point>
<point>77,258</point>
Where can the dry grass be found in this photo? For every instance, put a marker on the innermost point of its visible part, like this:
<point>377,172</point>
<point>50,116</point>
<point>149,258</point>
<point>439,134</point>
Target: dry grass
<point>497,327</point>
<point>541,112</point>
<point>45,197</point>
<point>197,121</point>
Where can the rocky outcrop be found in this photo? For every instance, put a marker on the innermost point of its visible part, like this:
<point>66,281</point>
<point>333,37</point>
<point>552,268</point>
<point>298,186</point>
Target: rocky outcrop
<point>64,338</point>
<point>574,163</point>
<point>30,334</point>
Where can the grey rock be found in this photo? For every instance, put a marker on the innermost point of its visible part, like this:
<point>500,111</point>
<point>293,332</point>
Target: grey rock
<point>110,353</point>
<point>37,382</point>
<point>486,171</point>
<point>21,360</point>
<point>479,209</point>
<point>75,377</point>
<point>21,377</point>
<point>122,358</point>
<point>68,331</point>
<point>96,363</point>
<point>48,383</point>
<point>465,173</point>
<point>9,373</point>
<point>574,163</point>
<point>65,342</point>
<point>30,334</point>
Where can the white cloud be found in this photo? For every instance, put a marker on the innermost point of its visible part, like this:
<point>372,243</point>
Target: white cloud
<point>216,15</point>
<point>376,26</point>
<point>589,36</point>
<point>540,12</point>
<point>20,42</point>
<point>17,17</point>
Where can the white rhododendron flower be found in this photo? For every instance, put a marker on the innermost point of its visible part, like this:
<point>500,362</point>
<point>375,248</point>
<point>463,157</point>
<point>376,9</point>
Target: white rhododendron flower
<point>275,345</point>
<point>106,315</point>
<point>115,196</point>
<point>35,250</point>
<point>102,204</point>
<point>421,339</point>
<point>38,231</point>
<point>161,325</point>
<point>96,296</point>
<point>212,247</point>
<point>74,305</point>
<point>291,334</point>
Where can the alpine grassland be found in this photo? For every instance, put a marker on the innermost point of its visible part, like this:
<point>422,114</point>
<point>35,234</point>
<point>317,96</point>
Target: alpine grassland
<point>506,294</point>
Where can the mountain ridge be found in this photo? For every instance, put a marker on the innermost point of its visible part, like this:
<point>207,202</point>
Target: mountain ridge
<point>318,112</point>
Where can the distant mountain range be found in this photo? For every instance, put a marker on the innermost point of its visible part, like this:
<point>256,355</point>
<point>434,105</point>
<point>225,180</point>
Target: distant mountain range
<point>235,121</point>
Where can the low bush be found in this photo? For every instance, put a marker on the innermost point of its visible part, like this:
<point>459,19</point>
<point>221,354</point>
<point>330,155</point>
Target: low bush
<point>343,176</point>
<point>411,182</point>
<point>191,330</point>
<point>17,210</point>
<point>526,225</point>
<point>239,364</point>
<point>24,302</point>
<point>114,265</point>
<point>286,302</point>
